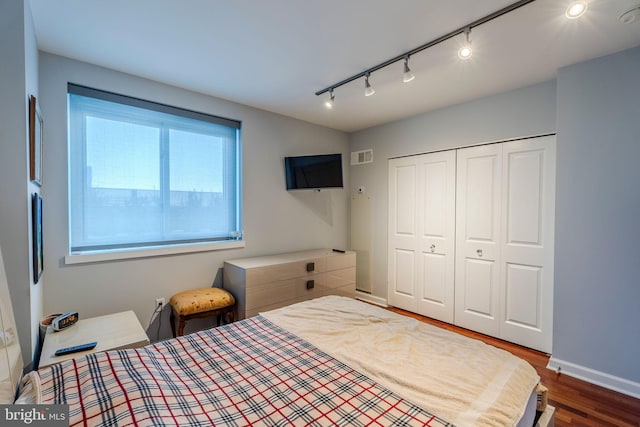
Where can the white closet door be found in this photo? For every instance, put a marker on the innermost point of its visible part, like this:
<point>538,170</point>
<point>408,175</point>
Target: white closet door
<point>421,234</point>
<point>437,171</point>
<point>528,197</point>
<point>477,270</point>
<point>403,233</point>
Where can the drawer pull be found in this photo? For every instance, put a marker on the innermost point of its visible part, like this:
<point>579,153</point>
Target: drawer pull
<point>310,284</point>
<point>311,266</point>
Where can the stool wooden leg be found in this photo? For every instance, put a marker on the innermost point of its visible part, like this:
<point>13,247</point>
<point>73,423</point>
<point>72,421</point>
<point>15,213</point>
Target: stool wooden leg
<point>228,315</point>
<point>172,320</point>
<point>180,325</point>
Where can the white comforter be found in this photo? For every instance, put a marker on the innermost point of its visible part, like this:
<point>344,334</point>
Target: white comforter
<point>460,379</point>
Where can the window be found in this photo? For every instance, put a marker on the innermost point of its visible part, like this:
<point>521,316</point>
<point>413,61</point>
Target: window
<point>146,175</point>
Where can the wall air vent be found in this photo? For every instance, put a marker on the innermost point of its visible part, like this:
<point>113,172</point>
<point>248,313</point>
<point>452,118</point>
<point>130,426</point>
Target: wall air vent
<point>362,157</point>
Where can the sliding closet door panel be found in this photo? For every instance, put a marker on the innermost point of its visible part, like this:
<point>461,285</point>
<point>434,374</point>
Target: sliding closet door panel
<point>437,242</point>
<point>421,234</point>
<point>523,190</point>
<point>480,199</point>
<point>480,288</point>
<point>523,296</point>
<point>403,234</point>
<point>404,261</point>
<point>528,228</point>
<point>405,211</point>
<point>434,291</point>
<point>436,189</point>
<point>477,284</point>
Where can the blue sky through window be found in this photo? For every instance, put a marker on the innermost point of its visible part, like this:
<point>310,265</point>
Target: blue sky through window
<point>196,162</point>
<point>123,155</point>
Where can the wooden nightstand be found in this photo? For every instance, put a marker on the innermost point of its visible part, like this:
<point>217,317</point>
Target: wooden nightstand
<point>112,332</point>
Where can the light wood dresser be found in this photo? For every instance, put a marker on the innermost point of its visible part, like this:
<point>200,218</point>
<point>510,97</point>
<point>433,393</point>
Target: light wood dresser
<point>269,282</point>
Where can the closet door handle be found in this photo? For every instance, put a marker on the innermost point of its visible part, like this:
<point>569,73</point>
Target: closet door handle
<point>433,248</point>
<point>479,252</point>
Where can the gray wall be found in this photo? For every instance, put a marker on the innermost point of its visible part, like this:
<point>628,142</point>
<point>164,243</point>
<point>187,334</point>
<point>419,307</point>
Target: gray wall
<point>274,220</point>
<point>597,275</point>
<point>18,80</point>
<point>523,112</point>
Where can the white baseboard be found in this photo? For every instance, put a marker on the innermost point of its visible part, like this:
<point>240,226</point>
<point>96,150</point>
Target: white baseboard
<point>611,382</point>
<point>382,302</point>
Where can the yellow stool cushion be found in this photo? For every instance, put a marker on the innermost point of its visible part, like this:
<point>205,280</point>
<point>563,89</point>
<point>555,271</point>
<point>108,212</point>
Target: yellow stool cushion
<point>200,300</point>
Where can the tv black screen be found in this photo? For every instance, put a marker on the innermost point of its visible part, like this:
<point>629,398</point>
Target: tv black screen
<point>313,172</point>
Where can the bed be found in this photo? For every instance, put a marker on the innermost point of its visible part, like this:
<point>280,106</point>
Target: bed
<point>329,361</point>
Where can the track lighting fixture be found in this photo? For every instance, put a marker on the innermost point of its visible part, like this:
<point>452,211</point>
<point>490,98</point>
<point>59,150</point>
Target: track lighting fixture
<point>329,102</point>
<point>576,9</point>
<point>368,90</point>
<point>463,53</point>
<point>407,76</point>
<point>465,50</point>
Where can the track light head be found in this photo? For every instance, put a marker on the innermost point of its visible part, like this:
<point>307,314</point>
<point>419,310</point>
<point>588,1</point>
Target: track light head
<point>576,9</point>
<point>368,90</point>
<point>465,51</point>
<point>407,76</point>
<point>329,103</point>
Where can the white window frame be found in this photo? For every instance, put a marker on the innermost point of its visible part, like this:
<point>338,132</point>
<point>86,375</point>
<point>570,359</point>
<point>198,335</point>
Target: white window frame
<point>125,251</point>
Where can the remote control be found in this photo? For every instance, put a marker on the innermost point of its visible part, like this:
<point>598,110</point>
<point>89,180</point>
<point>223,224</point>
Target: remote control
<point>76,348</point>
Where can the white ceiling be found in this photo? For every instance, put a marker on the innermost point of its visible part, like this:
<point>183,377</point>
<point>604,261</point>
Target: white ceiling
<point>275,54</point>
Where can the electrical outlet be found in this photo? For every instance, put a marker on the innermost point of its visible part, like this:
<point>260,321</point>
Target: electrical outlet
<point>159,302</point>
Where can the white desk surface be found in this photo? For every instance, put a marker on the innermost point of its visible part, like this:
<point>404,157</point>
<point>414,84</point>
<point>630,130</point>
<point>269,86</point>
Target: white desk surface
<point>112,332</point>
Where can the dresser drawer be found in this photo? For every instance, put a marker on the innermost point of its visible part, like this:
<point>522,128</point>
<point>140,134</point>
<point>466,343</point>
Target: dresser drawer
<point>278,272</point>
<point>338,261</point>
<point>271,293</point>
<point>338,278</point>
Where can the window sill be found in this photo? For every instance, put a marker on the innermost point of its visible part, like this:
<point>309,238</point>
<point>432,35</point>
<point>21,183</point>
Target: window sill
<point>87,257</point>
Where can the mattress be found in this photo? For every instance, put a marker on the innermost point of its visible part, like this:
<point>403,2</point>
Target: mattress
<point>463,380</point>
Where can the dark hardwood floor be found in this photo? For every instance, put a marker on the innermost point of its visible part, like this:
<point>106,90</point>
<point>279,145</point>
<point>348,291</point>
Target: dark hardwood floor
<point>577,402</point>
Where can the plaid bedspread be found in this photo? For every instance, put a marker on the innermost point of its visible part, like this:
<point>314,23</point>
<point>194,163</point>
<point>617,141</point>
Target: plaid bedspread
<point>248,373</point>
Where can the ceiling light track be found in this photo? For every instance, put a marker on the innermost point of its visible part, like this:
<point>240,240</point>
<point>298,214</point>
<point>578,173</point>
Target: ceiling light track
<point>462,30</point>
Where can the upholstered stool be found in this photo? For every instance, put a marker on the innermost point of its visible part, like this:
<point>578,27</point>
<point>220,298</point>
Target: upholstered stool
<point>199,303</point>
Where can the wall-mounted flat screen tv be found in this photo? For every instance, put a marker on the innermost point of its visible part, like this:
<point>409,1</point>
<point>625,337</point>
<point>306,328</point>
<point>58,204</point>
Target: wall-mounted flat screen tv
<point>313,172</point>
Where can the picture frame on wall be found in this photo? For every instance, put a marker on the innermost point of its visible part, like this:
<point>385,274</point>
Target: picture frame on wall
<point>35,141</point>
<point>37,246</point>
